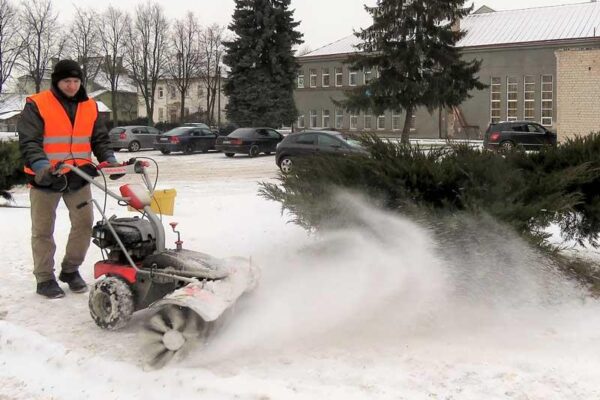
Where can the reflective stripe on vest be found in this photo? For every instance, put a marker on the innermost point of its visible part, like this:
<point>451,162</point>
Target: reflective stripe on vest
<point>64,141</point>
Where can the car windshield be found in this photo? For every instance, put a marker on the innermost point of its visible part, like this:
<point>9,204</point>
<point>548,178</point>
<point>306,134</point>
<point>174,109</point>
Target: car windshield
<point>178,131</point>
<point>242,133</point>
<point>117,130</point>
<point>353,142</point>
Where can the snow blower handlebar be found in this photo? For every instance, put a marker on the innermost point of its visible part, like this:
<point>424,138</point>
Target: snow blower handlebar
<point>132,166</point>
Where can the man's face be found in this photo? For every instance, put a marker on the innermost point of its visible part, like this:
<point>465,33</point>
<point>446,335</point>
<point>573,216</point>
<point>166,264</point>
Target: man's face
<point>69,86</point>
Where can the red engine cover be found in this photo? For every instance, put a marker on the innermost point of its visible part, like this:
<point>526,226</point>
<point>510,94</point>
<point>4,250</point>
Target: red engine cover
<point>121,270</point>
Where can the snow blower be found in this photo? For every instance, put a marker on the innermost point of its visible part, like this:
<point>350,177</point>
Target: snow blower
<point>191,291</point>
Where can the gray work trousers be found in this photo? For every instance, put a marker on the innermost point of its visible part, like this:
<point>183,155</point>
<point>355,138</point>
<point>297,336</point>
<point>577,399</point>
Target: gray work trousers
<point>43,217</point>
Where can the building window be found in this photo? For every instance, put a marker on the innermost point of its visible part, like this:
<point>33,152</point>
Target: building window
<point>161,114</point>
<point>325,77</point>
<point>172,92</point>
<point>300,80</point>
<point>367,75</point>
<point>301,121</point>
<point>547,99</point>
<point>368,122</point>
<point>161,92</point>
<point>339,76</point>
<point>512,98</point>
<point>186,112</point>
<point>312,77</point>
<point>529,98</point>
<point>313,118</point>
<point>352,78</point>
<point>339,119</point>
<point>325,119</point>
<point>496,100</point>
<point>396,122</point>
<point>381,122</point>
<point>354,122</point>
<point>200,91</point>
<point>413,123</point>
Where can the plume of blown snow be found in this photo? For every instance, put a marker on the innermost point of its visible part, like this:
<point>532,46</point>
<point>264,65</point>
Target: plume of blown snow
<point>387,279</point>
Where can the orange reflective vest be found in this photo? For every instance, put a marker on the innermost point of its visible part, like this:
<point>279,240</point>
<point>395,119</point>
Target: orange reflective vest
<point>64,141</point>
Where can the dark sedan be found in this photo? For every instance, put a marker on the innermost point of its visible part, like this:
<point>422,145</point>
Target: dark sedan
<point>310,143</point>
<point>251,141</point>
<point>522,134</point>
<point>187,139</point>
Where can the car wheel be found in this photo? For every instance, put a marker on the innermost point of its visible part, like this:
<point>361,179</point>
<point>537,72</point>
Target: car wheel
<point>134,146</point>
<point>254,151</point>
<point>188,149</point>
<point>268,153</point>
<point>166,151</point>
<point>229,154</point>
<point>286,165</point>
<point>111,303</point>
<point>507,146</point>
<point>205,149</point>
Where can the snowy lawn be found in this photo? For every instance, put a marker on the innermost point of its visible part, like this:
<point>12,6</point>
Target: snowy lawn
<point>370,314</point>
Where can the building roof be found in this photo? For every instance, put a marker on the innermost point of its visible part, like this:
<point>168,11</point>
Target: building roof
<point>530,25</point>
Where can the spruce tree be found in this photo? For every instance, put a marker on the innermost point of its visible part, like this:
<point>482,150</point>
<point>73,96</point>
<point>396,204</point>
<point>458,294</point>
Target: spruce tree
<point>412,46</point>
<point>262,65</point>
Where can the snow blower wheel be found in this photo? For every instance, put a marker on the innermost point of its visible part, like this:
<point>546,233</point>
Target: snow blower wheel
<point>111,303</point>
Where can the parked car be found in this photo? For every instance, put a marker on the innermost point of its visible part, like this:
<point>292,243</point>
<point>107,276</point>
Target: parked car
<point>133,138</point>
<point>251,141</point>
<point>187,139</point>
<point>311,143</point>
<point>525,134</point>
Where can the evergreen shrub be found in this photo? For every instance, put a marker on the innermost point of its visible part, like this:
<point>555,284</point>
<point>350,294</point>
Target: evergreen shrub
<point>527,191</point>
<point>11,165</point>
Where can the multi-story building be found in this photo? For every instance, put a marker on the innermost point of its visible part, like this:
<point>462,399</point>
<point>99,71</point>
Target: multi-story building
<point>167,102</point>
<point>540,64</point>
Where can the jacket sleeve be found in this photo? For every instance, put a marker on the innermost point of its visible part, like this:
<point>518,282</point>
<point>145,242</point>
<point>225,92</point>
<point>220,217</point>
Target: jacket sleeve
<point>31,134</point>
<point>101,142</point>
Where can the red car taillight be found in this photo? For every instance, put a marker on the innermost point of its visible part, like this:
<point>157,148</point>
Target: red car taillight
<point>174,139</point>
<point>236,141</point>
<point>123,136</point>
<point>494,136</point>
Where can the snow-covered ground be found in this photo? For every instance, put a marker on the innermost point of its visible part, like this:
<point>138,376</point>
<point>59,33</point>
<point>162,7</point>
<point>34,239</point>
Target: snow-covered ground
<point>376,313</point>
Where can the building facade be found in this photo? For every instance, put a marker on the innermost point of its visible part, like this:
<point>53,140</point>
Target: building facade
<point>167,103</point>
<point>527,57</point>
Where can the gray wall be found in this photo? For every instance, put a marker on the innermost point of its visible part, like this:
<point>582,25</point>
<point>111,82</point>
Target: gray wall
<point>515,62</point>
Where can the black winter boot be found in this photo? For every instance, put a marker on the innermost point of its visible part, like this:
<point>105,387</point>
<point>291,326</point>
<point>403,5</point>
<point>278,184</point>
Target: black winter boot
<point>50,289</point>
<point>74,280</point>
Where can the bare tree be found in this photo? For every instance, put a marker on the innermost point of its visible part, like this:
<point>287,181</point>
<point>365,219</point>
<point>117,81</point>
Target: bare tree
<point>184,62</point>
<point>83,43</point>
<point>42,36</point>
<point>11,41</point>
<point>146,43</point>
<point>113,33</point>
<point>211,45</point>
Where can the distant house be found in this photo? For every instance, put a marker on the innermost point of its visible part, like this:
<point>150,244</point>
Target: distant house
<point>540,64</point>
<point>98,88</point>
<point>167,102</point>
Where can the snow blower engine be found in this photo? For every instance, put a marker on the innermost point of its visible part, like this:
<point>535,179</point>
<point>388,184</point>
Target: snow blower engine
<point>190,290</point>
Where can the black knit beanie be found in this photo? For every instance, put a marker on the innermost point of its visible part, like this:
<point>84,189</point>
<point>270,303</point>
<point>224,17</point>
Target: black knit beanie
<point>66,69</point>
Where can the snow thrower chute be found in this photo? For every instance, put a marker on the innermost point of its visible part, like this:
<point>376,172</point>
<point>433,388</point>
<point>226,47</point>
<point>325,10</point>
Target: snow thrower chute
<point>190,290</point>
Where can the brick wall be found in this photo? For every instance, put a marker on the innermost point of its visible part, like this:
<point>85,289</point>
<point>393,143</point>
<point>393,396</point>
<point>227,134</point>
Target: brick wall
<point>578,92</point>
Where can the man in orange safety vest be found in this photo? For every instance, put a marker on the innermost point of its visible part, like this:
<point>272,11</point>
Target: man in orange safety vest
<point>61,125</point>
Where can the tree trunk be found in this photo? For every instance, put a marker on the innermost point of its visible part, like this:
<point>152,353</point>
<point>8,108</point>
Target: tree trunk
<point>407,122</point>
<point>182,108</point>
<point>113,103</point>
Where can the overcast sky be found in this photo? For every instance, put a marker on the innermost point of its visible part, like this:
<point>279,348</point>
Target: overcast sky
<point>322,21</point>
